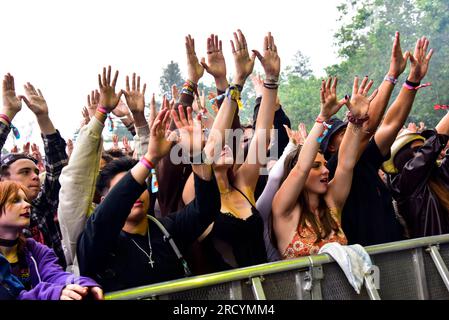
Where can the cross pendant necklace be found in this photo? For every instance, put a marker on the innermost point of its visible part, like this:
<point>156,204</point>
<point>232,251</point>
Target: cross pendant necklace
<point>151,262</point>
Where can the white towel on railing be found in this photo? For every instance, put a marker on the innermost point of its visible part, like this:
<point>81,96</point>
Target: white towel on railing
<point>353,260</point>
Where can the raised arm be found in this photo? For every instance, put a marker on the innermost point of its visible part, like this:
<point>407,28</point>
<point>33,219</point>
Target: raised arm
<point>244,65</point>
<point>340,185</point>
<point>400,109</point>
<point>78,180</point>
<point>248,173</point>
<point>377,108</point>
<point>12,104</point>
<point>287,195</point>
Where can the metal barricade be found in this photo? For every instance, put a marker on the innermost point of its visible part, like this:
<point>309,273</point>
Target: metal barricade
<point>410,269</point>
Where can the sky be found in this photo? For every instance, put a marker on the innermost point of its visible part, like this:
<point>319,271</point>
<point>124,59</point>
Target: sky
<point>61,46</point>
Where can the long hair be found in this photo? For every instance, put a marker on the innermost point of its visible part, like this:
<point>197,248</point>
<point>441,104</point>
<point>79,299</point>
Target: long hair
<point>441,192</point>
<point>8,191</point>
<point>328,224</point>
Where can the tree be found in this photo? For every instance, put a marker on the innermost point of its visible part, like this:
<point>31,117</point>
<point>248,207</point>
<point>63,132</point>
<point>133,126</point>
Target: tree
<point>171,75</point>
<point>301,65</point>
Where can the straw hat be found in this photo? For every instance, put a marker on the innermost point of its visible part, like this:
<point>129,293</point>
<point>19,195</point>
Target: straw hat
<point>401,141</point>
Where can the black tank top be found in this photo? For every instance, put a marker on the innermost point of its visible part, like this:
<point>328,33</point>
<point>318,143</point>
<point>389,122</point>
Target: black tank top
<point>234,242</point>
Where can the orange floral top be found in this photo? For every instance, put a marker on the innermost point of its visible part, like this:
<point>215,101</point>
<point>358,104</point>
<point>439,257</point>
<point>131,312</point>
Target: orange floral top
<point>304,241</point>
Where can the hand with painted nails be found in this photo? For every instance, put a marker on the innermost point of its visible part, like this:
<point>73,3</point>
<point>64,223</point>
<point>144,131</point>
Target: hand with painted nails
<point>328,97</point>
<point>244,64</point>
<point>420,60</point>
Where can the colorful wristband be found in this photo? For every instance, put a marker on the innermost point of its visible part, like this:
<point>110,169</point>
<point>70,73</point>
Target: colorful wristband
<point>327,127</point>
<point>409,86</point>
<point>102,110</point>
<point>391,79</point>
<point>147,163</point>
<point>6,118</point>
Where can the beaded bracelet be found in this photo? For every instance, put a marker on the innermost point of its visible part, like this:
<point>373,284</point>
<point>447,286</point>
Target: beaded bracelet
<point>357,121</point>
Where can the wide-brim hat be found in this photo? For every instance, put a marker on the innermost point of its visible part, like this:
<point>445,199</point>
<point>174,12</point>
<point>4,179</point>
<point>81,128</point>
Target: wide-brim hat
<point>337,124</point>
<point>401,141</point>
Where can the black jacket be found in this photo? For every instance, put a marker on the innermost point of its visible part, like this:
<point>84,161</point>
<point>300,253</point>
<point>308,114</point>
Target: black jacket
<point>111,256</point>
<point>421,209</point>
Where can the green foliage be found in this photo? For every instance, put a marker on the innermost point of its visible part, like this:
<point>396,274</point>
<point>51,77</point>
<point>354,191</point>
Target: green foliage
<point>364,40</point>
<point>170,75</point>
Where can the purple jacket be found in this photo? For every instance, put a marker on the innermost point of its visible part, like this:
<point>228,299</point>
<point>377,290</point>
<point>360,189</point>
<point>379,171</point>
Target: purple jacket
<point>47,276</point>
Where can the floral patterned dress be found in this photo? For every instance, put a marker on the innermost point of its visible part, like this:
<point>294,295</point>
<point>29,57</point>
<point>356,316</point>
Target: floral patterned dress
<point>304,241</point>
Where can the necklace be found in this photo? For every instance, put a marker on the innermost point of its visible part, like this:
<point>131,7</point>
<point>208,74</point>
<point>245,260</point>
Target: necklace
<point>149,256</point>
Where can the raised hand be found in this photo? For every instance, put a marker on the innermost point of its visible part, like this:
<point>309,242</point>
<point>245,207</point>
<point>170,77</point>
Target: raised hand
<point>134,97</point>
<point>216,65</point>
<point>109,99</point>
<point>69,147</point>
<point>174,93</point>
<point>26,148</point>
<point>126,145</point>
<point>297,137</point>
<point>270,59</point>
<point>158,145</point>
<point>412,127</point>
<point>194,69</point>
<point>398,60</point>
<point>420,60</point>
<point>92,102</point>
<point>244,64</point>
<point>258,84</point>
<point>115,142</point>
<point>190,131</point>
<point>422,126</point>
<point>121,110</point>
<point>329,103</point>
<point>359,103</point>
<point>12,104</point>
<point>35,100</point>
<point>36,154</point>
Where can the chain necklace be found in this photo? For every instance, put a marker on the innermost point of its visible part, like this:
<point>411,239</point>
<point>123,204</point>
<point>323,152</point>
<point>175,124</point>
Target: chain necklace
<point>149,256</point>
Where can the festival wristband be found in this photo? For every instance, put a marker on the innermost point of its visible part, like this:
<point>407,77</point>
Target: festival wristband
<point>391,79</point>
<point>327,127</point>
<point>147,163</point>
<point>6,118</point>
<point>102,110</point>
<point>412,86</point>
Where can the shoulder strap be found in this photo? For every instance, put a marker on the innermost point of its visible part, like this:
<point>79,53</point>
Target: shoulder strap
<point>252,205</point>
<point>168,237</point>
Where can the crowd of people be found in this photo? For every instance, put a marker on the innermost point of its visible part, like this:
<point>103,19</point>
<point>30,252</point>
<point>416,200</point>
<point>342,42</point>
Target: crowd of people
<point>192,197</point>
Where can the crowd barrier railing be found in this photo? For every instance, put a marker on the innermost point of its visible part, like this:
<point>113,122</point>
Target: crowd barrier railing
<point>410,269</point>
